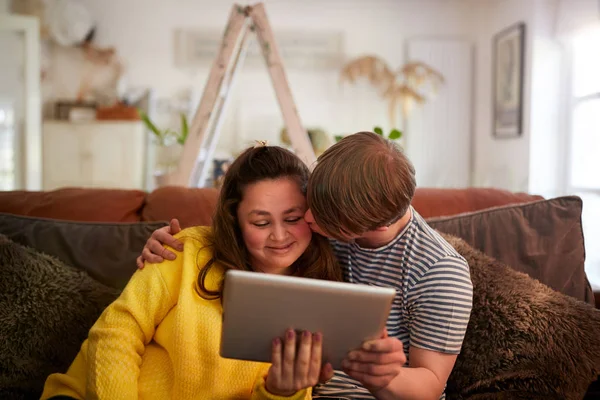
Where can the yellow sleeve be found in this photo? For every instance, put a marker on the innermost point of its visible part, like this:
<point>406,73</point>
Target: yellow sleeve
<point>260,392</point>
<point>117,341</point>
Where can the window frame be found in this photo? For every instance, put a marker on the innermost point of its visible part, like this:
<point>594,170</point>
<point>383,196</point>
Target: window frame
<point>574,102</point>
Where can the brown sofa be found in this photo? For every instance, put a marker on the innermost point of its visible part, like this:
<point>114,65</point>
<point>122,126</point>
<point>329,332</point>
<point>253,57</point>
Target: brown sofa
<point>194,206</point>
<point>101,231</point>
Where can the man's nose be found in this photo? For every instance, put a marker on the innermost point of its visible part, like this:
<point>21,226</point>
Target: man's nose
<point>308,217</point>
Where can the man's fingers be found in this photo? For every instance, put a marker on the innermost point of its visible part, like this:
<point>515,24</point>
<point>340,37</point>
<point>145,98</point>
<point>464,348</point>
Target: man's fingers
<point>151,257</point>
<point>162,237</point>
<point>370,381</point>
<point>174,226</point>
<point>396,357</point>
<point>387,345</point>
<point>156,248</point>
<point>140,262</point>
<point>371,368</point>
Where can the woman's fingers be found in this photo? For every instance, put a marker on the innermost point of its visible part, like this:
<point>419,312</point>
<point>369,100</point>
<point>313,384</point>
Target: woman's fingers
<point>303,360</point>
<point>296,363</point>
<point>289,358</point>
<point>314,371</point>
<point>276,359</point>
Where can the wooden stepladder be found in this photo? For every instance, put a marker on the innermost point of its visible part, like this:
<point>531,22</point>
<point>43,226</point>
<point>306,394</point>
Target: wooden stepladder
<point>200,145</point>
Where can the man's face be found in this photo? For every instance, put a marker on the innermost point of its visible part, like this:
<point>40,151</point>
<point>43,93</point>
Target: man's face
<point>310,220</point>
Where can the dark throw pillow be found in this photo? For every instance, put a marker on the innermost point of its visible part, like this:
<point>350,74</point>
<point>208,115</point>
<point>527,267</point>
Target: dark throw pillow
<point>46,311</point>
<point>524,340</point>
<point>107,251</point>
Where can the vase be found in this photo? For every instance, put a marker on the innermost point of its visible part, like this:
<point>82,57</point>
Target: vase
<point>167,158</point>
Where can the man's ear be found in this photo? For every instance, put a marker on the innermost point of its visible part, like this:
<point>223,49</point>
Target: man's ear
<point>381,229</point>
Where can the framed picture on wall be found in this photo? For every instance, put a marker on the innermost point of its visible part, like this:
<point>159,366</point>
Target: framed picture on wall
<point>508,61</point>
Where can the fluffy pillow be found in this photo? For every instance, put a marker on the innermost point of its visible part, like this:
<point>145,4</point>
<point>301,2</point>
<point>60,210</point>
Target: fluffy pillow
<point>524,340</point>
<point>46,311</point>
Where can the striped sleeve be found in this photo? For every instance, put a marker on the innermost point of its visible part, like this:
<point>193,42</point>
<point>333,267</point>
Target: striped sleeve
<point>440,306</point>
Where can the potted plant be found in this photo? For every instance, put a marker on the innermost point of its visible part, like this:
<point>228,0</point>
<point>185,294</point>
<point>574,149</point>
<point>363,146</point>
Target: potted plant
<point>169,143</point>
<point>394,134</point>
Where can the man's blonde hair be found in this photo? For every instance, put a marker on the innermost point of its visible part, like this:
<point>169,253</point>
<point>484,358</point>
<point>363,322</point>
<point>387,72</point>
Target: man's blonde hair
<point>361,183</point>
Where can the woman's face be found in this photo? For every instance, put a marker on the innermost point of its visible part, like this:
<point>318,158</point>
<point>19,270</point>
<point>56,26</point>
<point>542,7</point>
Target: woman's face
<point>271,218</point>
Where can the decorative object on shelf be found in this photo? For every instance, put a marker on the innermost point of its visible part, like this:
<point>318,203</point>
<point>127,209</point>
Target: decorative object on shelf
<point>319,139</point>
<point>69,22</point>
<point>117,112</point>
<point>508,67</point>
<point>407,86</point>
<point>169,144</point>
<point>74,110</point>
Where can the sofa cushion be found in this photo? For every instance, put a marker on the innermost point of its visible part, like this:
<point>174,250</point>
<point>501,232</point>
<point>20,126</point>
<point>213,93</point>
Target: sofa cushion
<point>46,311</point>
<point>435,202</point>
<point>191,206</point>
<point>101,205</point>
<point>544,239</point>
<point>524,340</point>
<point>106,251</point>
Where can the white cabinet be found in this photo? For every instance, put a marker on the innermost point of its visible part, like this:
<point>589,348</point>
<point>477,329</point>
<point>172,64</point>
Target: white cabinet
<point>102,154</point>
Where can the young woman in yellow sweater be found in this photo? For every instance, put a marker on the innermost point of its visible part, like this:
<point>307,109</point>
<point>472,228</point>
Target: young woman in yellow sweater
<point>160,338</point>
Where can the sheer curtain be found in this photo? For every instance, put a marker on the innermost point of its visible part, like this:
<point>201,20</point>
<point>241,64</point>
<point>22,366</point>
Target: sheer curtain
<point>578,27</point>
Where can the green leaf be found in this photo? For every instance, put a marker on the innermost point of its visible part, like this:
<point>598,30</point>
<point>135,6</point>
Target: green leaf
<point>378,130</point>
<point>184,130</point>
<point>144,117</point>
<point>338,137</point>
<point>395,134</point>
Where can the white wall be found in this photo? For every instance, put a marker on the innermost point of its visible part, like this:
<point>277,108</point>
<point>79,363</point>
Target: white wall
<point>4,6</point>
<point>530,162</point>
<point>501,163</point>
<point>142,31</point>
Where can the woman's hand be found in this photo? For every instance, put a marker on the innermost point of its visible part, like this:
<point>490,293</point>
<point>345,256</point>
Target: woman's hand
<point>154,251</point>
<point>293,370</point>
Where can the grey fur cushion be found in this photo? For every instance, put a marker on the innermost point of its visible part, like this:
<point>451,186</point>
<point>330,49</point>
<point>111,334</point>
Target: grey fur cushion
<point>46,311</point>
<point>524,340</point>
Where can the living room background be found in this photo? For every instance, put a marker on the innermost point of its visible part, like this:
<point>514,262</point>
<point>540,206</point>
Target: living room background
<point>142,33</point>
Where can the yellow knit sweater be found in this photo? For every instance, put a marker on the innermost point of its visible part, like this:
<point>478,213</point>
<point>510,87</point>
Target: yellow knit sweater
<point>160,340</point>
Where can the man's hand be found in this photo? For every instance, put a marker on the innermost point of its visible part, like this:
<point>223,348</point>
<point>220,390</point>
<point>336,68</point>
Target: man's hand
<point>154,252</point>
<point>376,363</point>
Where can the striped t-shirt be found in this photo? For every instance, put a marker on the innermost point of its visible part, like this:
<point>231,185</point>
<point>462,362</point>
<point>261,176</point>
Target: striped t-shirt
<point>433,294</point>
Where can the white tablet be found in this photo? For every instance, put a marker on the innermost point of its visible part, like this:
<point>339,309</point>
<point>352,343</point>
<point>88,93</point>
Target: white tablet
<point>259,307</point>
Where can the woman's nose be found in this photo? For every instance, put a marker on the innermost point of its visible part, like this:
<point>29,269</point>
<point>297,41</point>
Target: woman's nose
<point>278,233</point>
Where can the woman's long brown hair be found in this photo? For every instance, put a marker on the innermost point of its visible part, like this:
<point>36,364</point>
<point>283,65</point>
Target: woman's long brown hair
<point>254,165</point>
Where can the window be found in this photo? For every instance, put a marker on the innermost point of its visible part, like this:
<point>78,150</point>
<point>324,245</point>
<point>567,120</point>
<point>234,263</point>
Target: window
<point>584,155</point>
<point>7,154</point>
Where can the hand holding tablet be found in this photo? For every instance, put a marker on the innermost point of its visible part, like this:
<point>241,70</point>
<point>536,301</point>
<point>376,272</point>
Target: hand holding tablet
<point>258,308</point>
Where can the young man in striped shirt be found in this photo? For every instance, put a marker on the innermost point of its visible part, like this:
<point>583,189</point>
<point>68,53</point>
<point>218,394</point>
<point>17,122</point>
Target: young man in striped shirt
<point>359,195</point>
